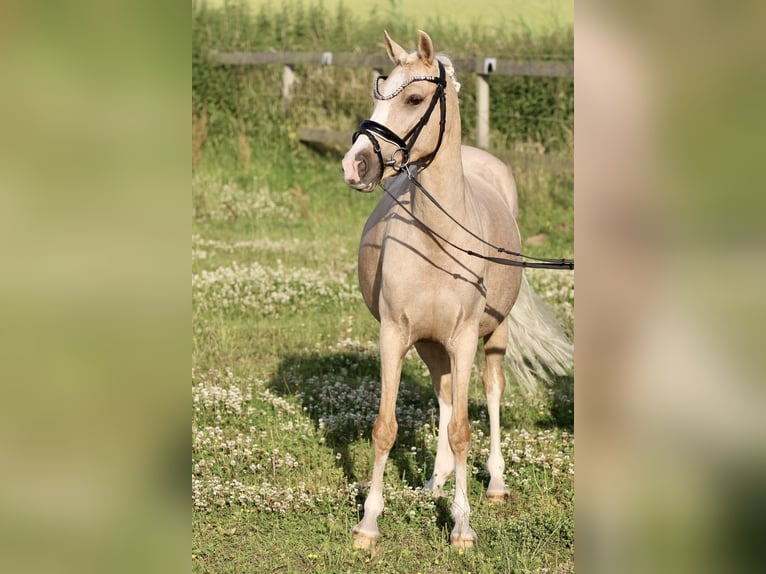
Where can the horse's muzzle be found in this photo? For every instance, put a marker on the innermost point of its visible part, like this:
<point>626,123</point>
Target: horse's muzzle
<point>360,169</point>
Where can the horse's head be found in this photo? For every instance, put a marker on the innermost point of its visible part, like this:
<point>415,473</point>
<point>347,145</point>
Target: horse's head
<point>407,125</point>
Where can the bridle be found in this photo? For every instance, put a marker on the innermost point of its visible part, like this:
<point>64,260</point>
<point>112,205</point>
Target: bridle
<point>374,130</point>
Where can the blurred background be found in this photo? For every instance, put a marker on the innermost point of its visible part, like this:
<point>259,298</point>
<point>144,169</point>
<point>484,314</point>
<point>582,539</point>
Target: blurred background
<point>245,111</point>
<point>670,274</point>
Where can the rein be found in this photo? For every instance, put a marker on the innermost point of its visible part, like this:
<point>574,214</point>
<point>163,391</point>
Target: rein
<point>404,146</point>
<point>536,263</point>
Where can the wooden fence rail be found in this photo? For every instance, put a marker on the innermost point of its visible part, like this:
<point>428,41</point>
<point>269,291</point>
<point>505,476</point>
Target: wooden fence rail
<point>547,68</point>
<point>480,67</point>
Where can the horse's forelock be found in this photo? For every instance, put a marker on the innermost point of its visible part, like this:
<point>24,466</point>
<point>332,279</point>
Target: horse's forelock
<point>449,68</point>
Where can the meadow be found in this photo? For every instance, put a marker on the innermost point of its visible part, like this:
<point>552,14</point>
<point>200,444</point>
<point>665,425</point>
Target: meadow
<point>285,383</point>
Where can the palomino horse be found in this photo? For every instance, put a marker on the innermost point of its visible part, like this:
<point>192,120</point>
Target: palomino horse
<point>417,277</point>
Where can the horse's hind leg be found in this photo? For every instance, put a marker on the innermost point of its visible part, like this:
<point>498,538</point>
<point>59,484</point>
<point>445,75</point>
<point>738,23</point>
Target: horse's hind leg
<point>436,359</point>
<point>494,385</point>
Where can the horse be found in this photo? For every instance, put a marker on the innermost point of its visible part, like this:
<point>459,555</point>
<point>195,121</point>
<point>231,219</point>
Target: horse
<point>427,272</point>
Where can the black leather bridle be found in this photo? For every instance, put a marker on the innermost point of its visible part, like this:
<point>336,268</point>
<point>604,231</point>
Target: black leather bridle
<point>374,130</point>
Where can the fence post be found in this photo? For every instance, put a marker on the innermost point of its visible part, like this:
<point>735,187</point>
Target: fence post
<point>482,110</point>
<point>288,81</point>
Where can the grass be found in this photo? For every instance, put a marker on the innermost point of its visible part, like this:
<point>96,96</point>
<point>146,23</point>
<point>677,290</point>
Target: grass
<point>285,389</point>
<point>243,106</point>
<point>535,16</point>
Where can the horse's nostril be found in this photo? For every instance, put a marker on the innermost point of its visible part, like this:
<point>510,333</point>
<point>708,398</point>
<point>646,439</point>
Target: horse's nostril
<point>362,167</point>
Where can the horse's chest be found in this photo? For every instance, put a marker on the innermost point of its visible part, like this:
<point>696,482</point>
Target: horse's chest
<point>418,270</point>
<point>407,272</point>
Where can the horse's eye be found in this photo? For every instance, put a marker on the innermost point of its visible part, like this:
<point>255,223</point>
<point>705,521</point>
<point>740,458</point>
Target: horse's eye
<point>413,100</point>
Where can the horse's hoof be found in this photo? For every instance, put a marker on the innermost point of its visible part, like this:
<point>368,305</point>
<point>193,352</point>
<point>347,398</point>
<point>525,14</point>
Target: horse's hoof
<point>462,541</point>
<point>364,541</point>
<point>436,492</point>
<point>497,495</point>
<point>462,535</point>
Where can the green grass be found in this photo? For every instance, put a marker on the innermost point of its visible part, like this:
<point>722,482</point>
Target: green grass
<point>285,387</point>
<point>535,15</point>
<point>527,113</point>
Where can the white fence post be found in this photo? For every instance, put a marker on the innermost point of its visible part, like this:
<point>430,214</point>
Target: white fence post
<point>288,81</point>
<point>482,111</point>
<point>488,65</point>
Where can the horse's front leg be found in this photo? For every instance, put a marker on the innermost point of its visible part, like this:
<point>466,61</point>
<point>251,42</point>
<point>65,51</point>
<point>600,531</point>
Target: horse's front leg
<point>392,351</point>
<point>462,353</point>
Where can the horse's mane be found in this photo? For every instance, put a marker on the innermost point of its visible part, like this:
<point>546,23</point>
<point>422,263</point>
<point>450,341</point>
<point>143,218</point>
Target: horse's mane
<point>449,68</point>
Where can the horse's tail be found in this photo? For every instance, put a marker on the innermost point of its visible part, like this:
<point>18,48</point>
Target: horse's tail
<point>537,344</point>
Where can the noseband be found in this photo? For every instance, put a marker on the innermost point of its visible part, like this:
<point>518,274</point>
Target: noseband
<point>374,130</point>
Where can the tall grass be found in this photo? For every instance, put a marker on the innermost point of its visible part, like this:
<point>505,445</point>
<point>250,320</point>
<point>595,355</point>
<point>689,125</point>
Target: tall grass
<point>245,102</point>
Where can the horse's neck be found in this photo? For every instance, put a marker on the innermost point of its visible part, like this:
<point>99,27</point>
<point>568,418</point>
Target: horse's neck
<point>444,180</point>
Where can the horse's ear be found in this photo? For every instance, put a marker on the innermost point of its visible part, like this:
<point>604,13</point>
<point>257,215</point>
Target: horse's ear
<point>394,50</point>
<point>425,47</point>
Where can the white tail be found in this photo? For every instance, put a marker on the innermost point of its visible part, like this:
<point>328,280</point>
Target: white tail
<point>537,345</point>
